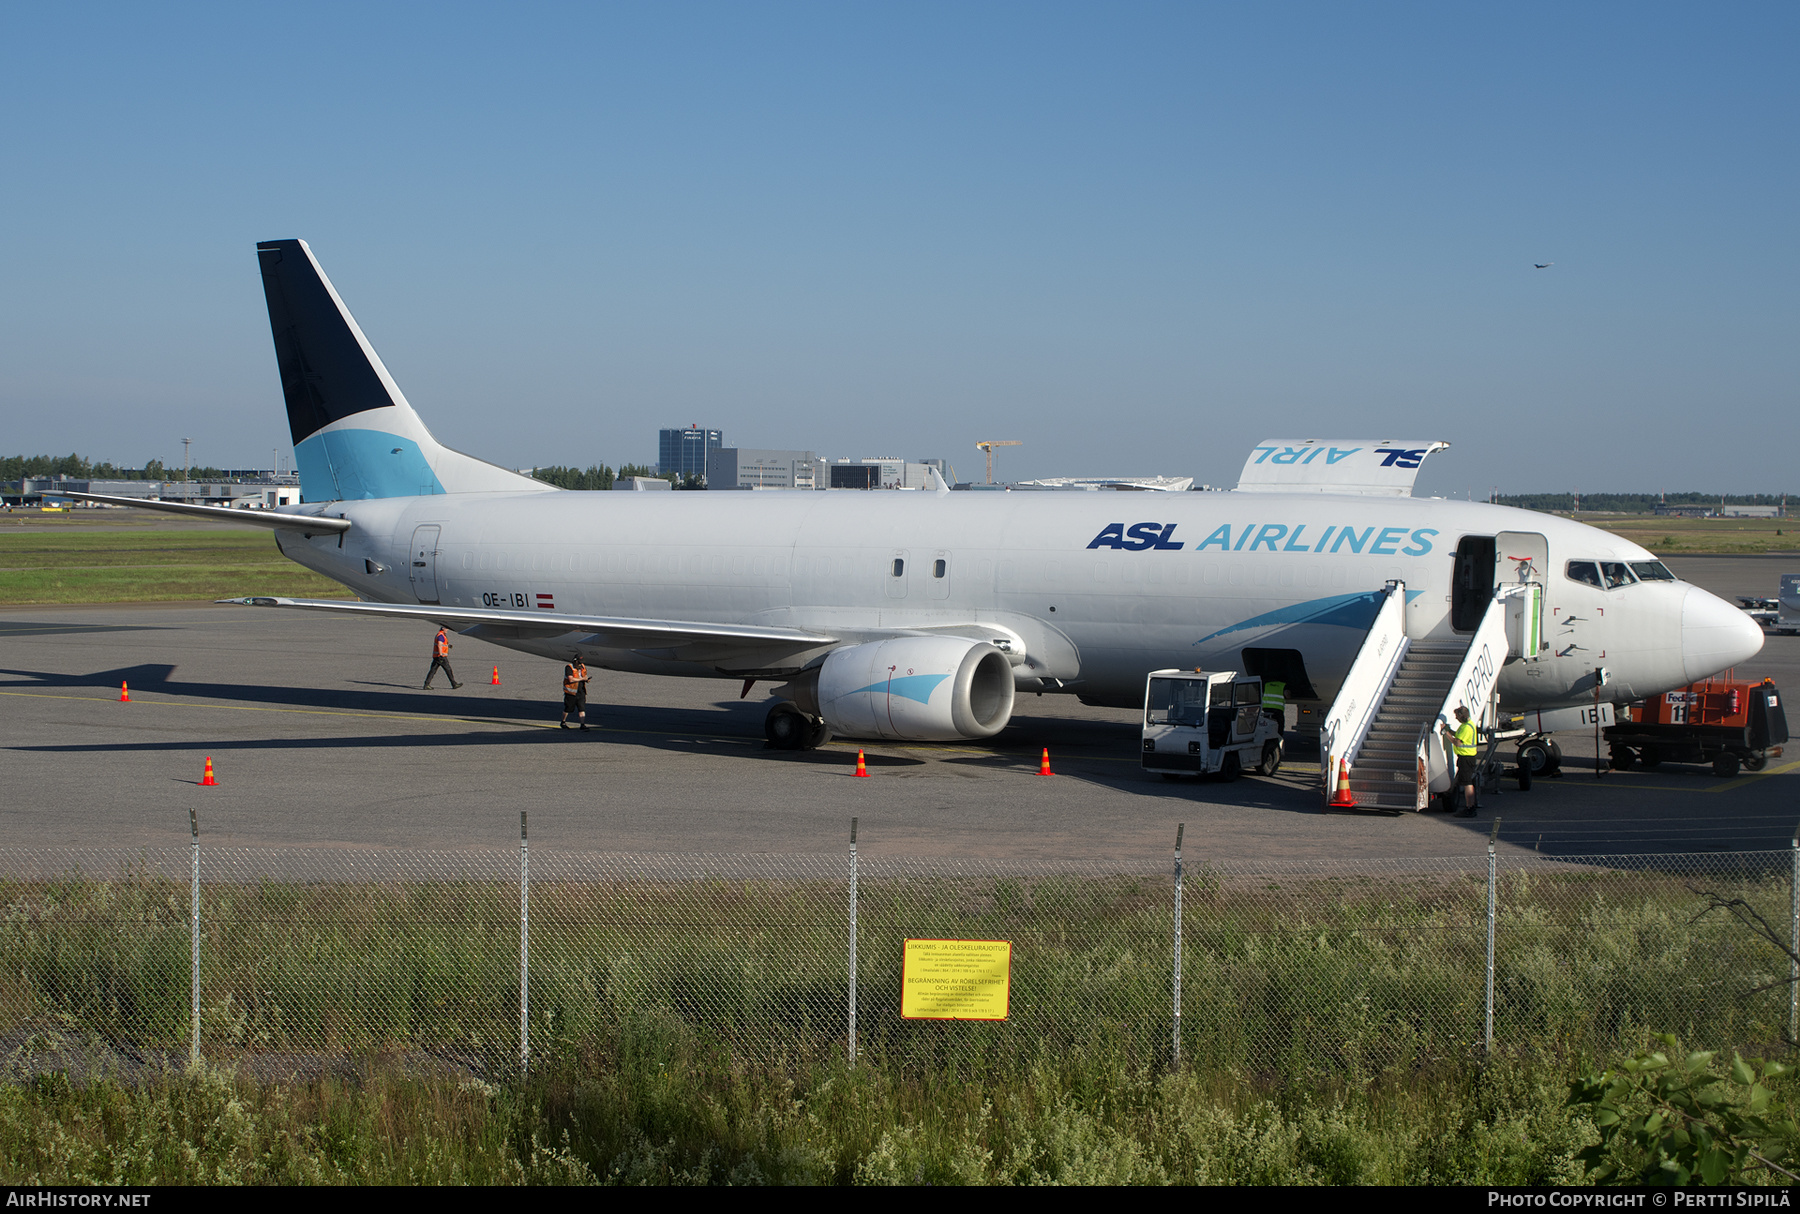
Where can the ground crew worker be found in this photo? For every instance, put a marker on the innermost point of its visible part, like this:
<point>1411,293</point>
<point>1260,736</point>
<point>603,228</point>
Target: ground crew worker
<point>1275,704</point>
<point>1462,742</point>
<point>575,684</point>
<point>440,656</point>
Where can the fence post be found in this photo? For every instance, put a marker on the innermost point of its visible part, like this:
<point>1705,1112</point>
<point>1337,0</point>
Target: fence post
<point>194,941</point>
<point>1794,945</point>
<point>1180,829</point>
<point>1489,1035</point>
<point>851,1024</point>
<point>524,948</point>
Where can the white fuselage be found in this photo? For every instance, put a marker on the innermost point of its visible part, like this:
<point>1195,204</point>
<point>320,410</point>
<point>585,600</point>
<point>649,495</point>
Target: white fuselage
<point>1101,588</point>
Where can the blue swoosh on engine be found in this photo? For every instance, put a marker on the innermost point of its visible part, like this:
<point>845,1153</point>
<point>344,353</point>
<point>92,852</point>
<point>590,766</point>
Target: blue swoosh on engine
<point>1343,610</point>
<point>907,686</point>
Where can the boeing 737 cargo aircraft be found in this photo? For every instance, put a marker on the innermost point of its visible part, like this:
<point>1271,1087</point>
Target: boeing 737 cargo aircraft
<point>919,615</point>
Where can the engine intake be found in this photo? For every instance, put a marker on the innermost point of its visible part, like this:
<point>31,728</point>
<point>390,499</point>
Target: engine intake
<point>917,689</point>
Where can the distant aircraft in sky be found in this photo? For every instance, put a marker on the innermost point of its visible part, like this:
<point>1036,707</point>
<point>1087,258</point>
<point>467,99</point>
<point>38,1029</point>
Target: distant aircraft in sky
<point>1543,265</point>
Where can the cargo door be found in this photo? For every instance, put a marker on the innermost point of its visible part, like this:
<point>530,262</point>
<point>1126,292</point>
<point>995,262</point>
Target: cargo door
<point>424,563</point>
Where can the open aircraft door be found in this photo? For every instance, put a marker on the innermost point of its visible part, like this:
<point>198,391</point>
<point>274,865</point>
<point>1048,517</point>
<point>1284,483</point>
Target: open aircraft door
<point>1524,557</point>
<point>424,563</point>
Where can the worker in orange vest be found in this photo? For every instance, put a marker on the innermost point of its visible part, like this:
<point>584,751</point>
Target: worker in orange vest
<point>575,684</point>
<point>440,656</point>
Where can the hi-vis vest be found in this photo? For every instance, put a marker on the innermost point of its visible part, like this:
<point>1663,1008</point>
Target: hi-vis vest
<point>1465,740</point>
<point>442,646</point>
<point>573,679</point>
<point>1274,697</point>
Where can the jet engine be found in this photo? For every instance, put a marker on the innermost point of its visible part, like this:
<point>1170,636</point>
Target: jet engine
<point>916,689</point>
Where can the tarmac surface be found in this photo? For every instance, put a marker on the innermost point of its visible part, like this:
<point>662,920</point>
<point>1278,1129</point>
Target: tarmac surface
<point>321,736</point>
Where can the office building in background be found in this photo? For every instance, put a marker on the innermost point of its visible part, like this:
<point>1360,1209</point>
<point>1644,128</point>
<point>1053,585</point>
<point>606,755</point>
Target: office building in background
<point>684,452</point>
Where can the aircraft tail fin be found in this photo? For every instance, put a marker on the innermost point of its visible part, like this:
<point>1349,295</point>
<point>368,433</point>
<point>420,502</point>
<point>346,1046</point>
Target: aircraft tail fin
<point>355,435</point>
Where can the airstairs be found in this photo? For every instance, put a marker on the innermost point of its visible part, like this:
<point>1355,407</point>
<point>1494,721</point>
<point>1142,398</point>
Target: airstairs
<point>1384,723</point>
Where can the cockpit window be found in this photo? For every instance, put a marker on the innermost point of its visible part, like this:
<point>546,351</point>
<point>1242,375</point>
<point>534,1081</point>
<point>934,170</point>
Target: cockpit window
<point>1585,572</point>
<point>1652,571</point>
<point>1616,574</point>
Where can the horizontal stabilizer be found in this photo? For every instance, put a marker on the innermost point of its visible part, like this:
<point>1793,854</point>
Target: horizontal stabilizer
<point>1381,467</point>
<point>312,524</point>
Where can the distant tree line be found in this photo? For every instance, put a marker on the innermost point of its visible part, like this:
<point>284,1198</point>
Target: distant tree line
<point>599,476</point>
<point>1633,503</point>
<point>78,467</point>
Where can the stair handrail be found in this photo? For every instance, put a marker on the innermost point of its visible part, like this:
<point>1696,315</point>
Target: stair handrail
<point>1365,686</point>
<point>1472,687</point>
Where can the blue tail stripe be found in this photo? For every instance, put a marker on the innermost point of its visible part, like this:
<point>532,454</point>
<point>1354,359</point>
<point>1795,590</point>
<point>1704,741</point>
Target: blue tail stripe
<point>348,465</point>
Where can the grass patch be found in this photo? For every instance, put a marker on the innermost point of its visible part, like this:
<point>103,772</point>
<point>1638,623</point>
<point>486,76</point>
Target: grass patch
<point>653,1106</point>
<point>1726,536</point>
<point>690,1028</point>
<point>71,566</point>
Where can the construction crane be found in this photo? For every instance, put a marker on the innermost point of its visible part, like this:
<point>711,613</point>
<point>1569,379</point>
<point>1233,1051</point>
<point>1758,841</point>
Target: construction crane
<point>989,446</point>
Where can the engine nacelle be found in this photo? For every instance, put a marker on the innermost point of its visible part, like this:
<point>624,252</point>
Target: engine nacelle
<point>917,689</point>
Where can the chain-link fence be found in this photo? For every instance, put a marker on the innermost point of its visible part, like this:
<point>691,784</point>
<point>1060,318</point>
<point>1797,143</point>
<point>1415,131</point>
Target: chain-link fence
<point>486,960</point>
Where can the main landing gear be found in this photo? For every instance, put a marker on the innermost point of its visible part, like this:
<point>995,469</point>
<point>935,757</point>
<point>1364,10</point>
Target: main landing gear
<point>787,728</point>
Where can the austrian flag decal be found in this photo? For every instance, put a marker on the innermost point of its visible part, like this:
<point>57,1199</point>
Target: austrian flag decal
<point>546,602</point>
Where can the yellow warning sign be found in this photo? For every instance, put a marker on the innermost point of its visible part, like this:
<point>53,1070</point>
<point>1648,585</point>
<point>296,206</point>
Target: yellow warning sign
<point>956,979</point>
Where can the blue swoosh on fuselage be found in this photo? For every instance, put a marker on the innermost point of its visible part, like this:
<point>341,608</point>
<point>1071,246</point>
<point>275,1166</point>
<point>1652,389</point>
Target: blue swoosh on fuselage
<point>1344,610</point>
<point>907,686</point>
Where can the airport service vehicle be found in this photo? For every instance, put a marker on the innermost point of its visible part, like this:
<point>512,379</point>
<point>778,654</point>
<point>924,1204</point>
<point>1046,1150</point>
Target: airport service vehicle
<point>1725,722</point>
<point>1780,614</point>
<point>1199,722</point>
<point>922,615</point>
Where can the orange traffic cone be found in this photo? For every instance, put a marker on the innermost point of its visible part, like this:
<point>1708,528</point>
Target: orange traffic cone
<point>496,681</point>
<point>124,692</point>
<point>1342,798</point>
<point>862,769</point>
<point>1044,767</point>
<point>208,780</point>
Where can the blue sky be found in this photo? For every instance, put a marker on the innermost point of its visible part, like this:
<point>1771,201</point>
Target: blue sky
<point>1138,237</point>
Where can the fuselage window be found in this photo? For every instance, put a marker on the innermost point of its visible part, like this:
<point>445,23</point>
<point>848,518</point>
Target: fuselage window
<point>940,568</point>
<point>899,567</point>
<point>1585,572</point>
<point>1652,571</point>
<point>1616,574</point>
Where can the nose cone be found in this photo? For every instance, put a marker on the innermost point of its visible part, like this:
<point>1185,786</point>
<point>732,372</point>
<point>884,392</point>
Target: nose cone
<point>1715,635</point>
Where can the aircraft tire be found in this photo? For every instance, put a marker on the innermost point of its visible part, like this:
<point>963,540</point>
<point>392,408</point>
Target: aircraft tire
<point>821,734</point>
<point>786,727</point>
<point>1534,756</point>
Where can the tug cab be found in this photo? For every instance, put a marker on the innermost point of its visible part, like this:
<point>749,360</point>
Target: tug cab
<point>1199,722</point>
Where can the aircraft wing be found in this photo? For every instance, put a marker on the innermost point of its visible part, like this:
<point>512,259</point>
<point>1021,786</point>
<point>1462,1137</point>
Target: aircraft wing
<point>731,646</point>
<point>312,524</point>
